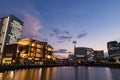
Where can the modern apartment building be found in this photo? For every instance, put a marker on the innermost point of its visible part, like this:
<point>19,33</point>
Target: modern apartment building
<point>10,31</point>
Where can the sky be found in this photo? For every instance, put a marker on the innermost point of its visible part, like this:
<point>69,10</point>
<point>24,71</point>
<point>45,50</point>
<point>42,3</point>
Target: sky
<point>91,23</point>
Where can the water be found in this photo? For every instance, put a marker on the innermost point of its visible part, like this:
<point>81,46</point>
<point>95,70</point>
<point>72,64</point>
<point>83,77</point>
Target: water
<point>63,73</point>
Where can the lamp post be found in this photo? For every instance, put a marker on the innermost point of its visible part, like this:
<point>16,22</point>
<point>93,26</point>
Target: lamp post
<point>74,42</point>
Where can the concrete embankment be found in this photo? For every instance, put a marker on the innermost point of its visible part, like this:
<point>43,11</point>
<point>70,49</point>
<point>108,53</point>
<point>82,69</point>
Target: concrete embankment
<point>101,65</point>
<point>15,67</point>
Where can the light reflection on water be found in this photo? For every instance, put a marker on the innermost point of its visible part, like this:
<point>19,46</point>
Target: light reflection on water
<point>62,73</point>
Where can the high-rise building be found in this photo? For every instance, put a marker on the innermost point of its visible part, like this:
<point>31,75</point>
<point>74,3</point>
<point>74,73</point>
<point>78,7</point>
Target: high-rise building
<point>113,48</point>
<point>10,31</point>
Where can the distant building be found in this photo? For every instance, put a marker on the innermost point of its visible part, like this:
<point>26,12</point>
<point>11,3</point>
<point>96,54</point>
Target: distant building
<point>88,54</point>
<point>71,56</point>
<point>10,30</point>
<point>98,54</point>
<point>113,48</point>
<point>84,54</point>
<point>83,51</point>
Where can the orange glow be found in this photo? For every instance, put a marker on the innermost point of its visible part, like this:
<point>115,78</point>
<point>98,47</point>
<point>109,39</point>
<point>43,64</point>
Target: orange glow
<point>23,43</point>
<point>23,55</point>
<point>48,56</point>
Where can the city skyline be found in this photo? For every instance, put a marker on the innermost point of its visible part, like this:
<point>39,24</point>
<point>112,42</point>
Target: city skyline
<point>90,23</point>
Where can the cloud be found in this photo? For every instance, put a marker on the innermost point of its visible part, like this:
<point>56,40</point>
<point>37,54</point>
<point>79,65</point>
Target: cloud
<point>61,51</point>
<point>61,35</point>
<point>29,14</point>
<point>61,55</point>
<point>61,41</point>
<point>52,35</point>
<point>65,37</point>
<point>82,34</point>
<point>32,26</point>
<point>58,32</point>
<point>66,32</point>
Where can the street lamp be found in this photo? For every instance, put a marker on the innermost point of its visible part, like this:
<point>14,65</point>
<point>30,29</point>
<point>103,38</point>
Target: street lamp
<point>74,42</point>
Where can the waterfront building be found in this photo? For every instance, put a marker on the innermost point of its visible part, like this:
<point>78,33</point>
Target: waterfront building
<point>13,53</point>
<point>88,54</point>
<point>49,50</point>
<point>34,50</point>
<point>98,54</point>
<point>48,55</point>
<point>10,31</point>
<point>84,53</point>
<point>114,50</point>
<point>28,51</point>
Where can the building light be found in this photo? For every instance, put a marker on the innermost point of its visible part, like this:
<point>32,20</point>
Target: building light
<point>48,56</point>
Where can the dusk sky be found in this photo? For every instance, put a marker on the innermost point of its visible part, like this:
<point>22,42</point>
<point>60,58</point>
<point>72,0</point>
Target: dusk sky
<point>92,23</point>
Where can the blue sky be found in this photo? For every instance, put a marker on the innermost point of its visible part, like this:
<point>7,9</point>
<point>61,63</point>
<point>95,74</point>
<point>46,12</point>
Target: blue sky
<point>92,23</point>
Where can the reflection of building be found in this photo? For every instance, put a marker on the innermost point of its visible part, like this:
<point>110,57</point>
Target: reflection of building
<point>47,73</point>
<point>28,51</point>
<point>10,30</point>
<point>7,75</point>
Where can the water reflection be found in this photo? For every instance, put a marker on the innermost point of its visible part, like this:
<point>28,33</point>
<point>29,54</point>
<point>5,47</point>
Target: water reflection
<point>6,75</point>
<point>62,73</point>
<point>48,74</point>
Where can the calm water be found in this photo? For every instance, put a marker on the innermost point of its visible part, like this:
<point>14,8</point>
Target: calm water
<point>63,73</point>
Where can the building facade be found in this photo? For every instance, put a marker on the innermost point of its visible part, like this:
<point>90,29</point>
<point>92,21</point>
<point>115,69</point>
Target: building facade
<point>34,50</point>
<point>12,53</point>
<point>28,51</point>
<point>83,51</point>
<point>113,48</point>
<point>84,54</point>
<point>88,54</point>
<point>10,30</point>
<point>99,56</point>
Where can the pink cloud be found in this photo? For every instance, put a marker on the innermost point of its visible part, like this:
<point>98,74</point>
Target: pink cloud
<point>61,55</point>
<point>31,26</point>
